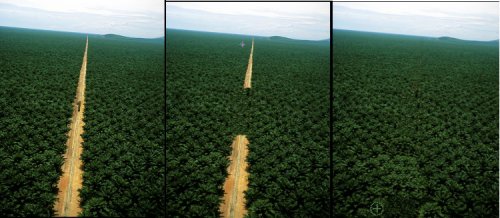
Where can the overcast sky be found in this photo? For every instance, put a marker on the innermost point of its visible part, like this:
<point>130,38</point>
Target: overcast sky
<point>132,18</point>
<point>298,20</point>
<point>464,20</point>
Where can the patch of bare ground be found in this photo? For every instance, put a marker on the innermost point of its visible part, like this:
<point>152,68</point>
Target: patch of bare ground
<point>237,181</point>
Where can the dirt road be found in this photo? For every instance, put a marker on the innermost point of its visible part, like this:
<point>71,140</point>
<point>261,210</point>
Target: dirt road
<point>68,200</point>
<point>237,181</point>
<point>248,76</point>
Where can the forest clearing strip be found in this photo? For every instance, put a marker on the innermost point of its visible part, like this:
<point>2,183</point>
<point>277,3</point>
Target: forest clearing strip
<point>237,181</point>
<point>68,201</point>
<point>248,76</point>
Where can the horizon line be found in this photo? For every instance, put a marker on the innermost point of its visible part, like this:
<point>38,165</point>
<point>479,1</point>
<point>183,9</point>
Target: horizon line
<point>41,29</point>
<point>245,34</point>
<point>402,34</point>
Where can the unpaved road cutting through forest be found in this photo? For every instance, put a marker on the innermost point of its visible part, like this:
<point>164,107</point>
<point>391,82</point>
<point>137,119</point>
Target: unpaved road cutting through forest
<point>248,76</point>
<point>68,200</point>
<point>237,181</point>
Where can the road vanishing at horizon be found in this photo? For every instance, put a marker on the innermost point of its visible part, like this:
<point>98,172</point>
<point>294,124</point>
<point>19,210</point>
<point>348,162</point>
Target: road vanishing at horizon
<point>236,182</point>
<point>248,76</point>
<point>68,199</point>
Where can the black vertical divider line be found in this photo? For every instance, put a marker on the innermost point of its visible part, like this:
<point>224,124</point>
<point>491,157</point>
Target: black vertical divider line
<point>330,190</point>
<point>165,107</point>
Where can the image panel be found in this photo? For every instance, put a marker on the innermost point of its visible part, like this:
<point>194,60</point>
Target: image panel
<point>82,109</point>
<point>247,109</point>
<point>415,109</point>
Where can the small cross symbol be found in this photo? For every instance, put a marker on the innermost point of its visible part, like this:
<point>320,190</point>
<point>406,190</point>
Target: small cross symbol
<point>376,208</point>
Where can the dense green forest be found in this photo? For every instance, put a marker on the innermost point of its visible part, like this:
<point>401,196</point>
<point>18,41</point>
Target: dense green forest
<point>285,117</point>
<point>415,126</point>
<point>124,130</point>
<point>38,76</point>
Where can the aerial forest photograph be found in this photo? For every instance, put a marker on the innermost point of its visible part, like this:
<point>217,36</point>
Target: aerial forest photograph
<point>82,108</point>
<point>415,109</point>
<point>247,91</point>
<point>126,108</point>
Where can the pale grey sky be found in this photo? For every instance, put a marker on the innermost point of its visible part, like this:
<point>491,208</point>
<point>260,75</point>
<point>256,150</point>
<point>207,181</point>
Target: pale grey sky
<point>464,20</point>
<point>298,20</point>
<point>131,18</point>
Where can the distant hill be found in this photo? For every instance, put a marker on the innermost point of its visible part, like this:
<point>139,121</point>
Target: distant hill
<point>115,36</point>
<point>451,39</point>
<point>159,39</point>
<point>447,38</point>
<point>120,37</point>
<point>286,39</point>
<point>279,38</point>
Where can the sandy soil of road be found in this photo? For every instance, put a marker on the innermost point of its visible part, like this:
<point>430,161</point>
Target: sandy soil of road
<point>237,181</point>
<point>248,76</point>
<point>68,199</point>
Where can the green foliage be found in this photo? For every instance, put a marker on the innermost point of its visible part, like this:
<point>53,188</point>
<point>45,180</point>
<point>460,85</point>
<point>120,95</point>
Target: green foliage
<point>123,133</point>
<point>38,77</point>
<point>285,117</point>
<point>415,126</point>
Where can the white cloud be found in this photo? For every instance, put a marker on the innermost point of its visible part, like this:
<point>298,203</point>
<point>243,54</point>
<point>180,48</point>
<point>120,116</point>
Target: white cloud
<point>91,6</point>
<point>433,9</point>
<point>466,20</point>
<point>265,9</point>
<point>126,17</point>
<point>301,20</point>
